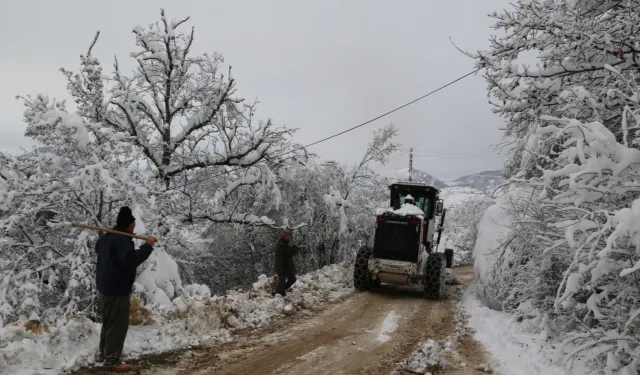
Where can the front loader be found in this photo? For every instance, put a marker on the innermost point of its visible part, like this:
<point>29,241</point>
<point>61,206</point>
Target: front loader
<point>405,246</point>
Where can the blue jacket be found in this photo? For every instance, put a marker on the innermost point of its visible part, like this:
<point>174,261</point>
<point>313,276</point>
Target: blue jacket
<point>117,263</point>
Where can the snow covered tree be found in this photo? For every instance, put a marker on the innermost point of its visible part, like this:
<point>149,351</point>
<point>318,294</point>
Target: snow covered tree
<point>180,114</point>
<point>360,176</point>
<point>460,230</point>
<point>572,124</point>
<point>134,140</point>
<point>573,41</point>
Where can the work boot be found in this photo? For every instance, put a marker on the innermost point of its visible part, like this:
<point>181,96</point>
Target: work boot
<point>122,367</point>
<point>99,358</point>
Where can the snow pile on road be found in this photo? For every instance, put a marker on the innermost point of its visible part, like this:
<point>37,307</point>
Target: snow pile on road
<point>389,325</point>
<point>426,359</point>
<point>183,323</point>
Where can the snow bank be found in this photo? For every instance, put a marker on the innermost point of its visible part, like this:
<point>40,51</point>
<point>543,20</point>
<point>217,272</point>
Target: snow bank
<point>182,323</point>
<point>492,229</point>
<point>516,351</point>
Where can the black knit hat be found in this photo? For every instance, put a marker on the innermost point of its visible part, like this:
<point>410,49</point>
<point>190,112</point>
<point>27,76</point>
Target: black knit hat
<point>125,217</point>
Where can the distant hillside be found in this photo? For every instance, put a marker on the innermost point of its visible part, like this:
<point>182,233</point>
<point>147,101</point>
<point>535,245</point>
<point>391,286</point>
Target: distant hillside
<point>418,176</point>
<point>480,180</point>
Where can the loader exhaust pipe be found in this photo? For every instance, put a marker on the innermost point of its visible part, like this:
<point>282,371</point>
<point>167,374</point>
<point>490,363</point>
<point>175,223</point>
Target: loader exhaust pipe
<point>440,228</point>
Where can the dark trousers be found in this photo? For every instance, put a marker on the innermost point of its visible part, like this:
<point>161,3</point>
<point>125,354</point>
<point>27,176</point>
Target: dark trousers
<point>115,324</point>
<point>285,280</point>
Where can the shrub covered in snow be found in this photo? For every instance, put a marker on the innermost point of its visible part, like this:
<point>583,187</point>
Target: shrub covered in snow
<point>465,207</point>
<point>570,260</point>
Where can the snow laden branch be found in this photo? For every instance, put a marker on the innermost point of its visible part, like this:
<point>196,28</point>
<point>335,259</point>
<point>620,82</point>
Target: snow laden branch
<point>357,177</point>
<point>182,110</point>
<point>178,117</point>
<point>575,44</point>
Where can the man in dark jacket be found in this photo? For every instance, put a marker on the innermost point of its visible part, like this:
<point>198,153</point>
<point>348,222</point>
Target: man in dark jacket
<point>115,274</point>
<point>284,267</point>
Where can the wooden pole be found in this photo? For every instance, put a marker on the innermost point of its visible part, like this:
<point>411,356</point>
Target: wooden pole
<point>101,229</point>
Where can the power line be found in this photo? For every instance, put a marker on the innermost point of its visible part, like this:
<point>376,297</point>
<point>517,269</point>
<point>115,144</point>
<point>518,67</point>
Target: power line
<point>436,153</point>
<point>344,131</point>
<point>400,154</point>
<point>393,110</point>
<point>455,154</point>
<point>454,157</point>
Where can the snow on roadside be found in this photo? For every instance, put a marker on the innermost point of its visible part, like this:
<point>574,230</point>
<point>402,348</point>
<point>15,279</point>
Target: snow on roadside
<point>516,351</point>
<point>184,323</point>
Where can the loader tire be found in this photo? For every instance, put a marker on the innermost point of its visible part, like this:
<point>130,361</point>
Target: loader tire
<point>361,277</point>
<point>448,254</point>
<point>435,276</point>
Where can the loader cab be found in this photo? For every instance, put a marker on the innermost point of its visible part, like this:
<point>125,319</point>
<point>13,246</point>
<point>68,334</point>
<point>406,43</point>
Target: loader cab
<point>425,197</point>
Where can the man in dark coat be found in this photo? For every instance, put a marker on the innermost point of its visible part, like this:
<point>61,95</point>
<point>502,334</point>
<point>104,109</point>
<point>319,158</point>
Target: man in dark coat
<point>115,274</point>
<point>284,266</point>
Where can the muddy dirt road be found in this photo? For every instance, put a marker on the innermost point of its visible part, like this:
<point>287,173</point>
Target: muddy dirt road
<point>367,333</point>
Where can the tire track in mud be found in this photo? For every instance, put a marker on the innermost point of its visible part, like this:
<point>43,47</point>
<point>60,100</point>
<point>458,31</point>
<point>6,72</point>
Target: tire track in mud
<point>347,338</point>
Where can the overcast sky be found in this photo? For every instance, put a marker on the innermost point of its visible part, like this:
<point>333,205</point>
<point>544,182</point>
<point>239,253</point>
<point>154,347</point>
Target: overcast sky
<point>320,66</point>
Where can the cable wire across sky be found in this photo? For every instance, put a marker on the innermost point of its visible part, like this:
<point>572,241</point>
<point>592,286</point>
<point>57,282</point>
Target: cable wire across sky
<point>342,132</point>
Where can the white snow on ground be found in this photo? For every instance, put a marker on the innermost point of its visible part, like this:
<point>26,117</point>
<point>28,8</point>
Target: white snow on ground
<point>182,323</point>
<point>514,350</point>
<point>389,325</point>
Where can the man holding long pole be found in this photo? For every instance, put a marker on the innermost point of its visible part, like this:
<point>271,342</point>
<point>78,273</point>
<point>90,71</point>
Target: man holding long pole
<point>115,274</point>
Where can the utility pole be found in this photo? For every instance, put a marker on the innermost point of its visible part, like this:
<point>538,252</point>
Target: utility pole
<point>411,164</point>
